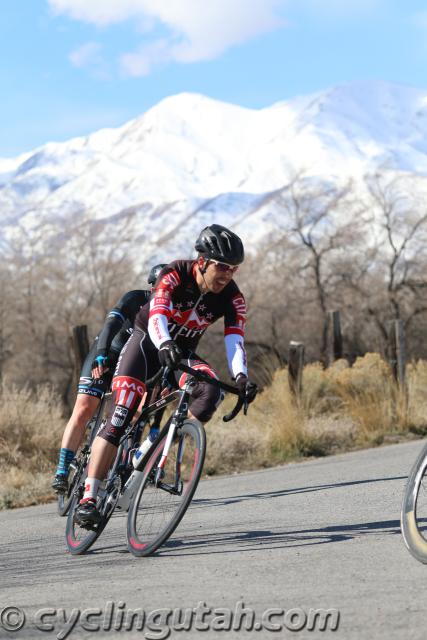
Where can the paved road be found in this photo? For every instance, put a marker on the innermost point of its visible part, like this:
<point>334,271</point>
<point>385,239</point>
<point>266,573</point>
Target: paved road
<point>323,534</point>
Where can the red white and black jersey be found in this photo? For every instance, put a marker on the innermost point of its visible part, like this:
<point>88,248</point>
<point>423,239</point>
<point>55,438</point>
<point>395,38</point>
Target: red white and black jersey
<point>179,311</point>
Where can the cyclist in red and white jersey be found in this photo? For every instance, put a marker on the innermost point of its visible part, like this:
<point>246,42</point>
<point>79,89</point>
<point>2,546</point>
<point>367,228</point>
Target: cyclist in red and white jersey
<point>97,372</point>
<point>189,296</point>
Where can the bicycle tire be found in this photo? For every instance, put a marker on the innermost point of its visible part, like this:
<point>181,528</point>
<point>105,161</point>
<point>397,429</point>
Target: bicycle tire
<point>414,502</point>
<point>79,539</point>
<point>64,500</point>
<point>146,532</point>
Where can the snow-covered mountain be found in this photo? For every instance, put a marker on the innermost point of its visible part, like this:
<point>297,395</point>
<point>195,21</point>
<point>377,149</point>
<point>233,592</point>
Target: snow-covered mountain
<point>191,160</point>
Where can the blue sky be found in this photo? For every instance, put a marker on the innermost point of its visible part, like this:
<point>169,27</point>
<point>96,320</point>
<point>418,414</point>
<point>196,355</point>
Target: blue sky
<point>70,67</point>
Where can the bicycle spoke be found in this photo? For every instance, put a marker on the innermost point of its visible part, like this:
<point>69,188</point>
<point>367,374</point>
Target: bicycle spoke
<point>158,509</point>
<point>158,503</point>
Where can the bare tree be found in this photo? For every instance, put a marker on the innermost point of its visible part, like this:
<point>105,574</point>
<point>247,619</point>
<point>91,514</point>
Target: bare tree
<point>390,278</point>
<point>325,225</point>
<point>61,279</point>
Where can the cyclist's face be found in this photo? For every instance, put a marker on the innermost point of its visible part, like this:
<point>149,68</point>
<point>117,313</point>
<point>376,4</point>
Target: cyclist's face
<point>217,276</point>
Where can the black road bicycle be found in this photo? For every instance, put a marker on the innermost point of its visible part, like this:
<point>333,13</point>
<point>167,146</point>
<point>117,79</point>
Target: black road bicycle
<point>413,517</point>
<point>158,490</point>
<point>79,463</point>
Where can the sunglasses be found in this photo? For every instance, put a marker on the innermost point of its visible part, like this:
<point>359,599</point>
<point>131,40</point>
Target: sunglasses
<point>222,266</point>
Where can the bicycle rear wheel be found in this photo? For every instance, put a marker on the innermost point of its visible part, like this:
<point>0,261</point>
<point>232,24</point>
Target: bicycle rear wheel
<point>64,500</point>
<point>156,511</point>
<point>414,509</point>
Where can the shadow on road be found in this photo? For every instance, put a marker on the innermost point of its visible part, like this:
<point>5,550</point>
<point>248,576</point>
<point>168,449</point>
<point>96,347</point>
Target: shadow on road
<point>278,493</point>
<point>262,539</point>
<point>238,541</point>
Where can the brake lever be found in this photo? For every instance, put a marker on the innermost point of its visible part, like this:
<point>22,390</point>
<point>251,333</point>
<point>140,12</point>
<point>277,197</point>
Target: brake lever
<point>165,381</point>
<point>233,413</point>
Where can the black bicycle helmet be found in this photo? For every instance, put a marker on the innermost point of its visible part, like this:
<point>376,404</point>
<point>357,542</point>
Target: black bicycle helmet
<point>154,273</point>
<point>218,243</point>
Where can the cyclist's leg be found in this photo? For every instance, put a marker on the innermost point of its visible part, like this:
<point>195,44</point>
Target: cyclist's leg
<point>89,395</point>
<point>205,397</point>
<point>84,408</point>
<point>138,360</point>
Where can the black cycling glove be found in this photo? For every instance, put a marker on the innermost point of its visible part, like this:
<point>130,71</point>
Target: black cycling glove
<point>170,354</point>
<point>247,389</point>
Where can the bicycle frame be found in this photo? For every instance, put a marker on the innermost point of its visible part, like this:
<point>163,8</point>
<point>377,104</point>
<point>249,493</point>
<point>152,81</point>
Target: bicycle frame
<point>125,484</point>
<point>177,419</point>
<point>179,415</point>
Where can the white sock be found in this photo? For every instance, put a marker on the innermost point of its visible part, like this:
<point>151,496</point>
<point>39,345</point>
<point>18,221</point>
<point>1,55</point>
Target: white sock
<point>91,488</point>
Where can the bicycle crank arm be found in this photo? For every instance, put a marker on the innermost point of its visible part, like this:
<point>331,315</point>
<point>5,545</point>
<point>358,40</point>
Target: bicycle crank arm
<point>174,489</point>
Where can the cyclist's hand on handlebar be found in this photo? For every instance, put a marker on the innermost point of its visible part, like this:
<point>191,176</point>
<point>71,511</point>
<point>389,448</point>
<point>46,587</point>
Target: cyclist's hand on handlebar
<point>170,354</point>
<point>247,389</point>
<point>99,365</point>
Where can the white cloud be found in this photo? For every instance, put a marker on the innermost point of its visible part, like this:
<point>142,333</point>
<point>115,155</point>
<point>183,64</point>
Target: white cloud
<point>89,56</point>
<point>85,55</point>
<point>99,12</point>
<point>196,29</point>
<point>419,19</point>
<point>339,9</point>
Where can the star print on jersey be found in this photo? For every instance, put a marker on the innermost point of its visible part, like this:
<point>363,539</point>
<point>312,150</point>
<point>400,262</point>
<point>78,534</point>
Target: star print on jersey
<point>209,316</point>
<point>179,305</point>
<point>190,303</point>
<point>202,307</point>
<point>190,318</point>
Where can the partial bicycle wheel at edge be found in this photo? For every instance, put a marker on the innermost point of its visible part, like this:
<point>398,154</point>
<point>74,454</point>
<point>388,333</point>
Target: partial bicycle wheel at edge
<point>79,539</point>
<point>155,512</point>
<point>64,500</point>
<point>414,509</point>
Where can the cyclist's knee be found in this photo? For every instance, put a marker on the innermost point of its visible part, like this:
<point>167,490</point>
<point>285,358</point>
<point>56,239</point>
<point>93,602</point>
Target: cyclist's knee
<point>84,409</point>
<point>111,433</point>
<point>127,392</point>
<point>206,402</point>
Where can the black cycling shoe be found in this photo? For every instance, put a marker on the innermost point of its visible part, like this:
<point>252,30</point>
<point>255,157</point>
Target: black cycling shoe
<point>86,514</point>
<point>60,483</point>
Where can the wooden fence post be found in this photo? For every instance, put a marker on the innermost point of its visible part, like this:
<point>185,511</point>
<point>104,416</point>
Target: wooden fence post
<point>397,351</point>
<point>335,346</point>
<point>295,367</point>
<point>80,347</point>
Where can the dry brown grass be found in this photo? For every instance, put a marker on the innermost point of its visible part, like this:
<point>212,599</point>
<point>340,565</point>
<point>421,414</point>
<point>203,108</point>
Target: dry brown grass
<point>341,408</point>
<point>31,425</point>
<point>417,397</point>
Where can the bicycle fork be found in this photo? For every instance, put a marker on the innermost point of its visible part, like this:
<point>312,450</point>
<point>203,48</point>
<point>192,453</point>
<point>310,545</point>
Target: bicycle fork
<point>177,420</point>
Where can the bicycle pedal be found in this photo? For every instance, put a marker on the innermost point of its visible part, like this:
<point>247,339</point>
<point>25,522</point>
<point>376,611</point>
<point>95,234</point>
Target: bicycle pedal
<point>88,527</point>
<point>176,491</point>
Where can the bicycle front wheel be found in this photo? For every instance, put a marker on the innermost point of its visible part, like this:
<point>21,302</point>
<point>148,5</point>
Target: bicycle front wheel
<point>158,507</point>
<point>414,509</point>
<point>79,539</point>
